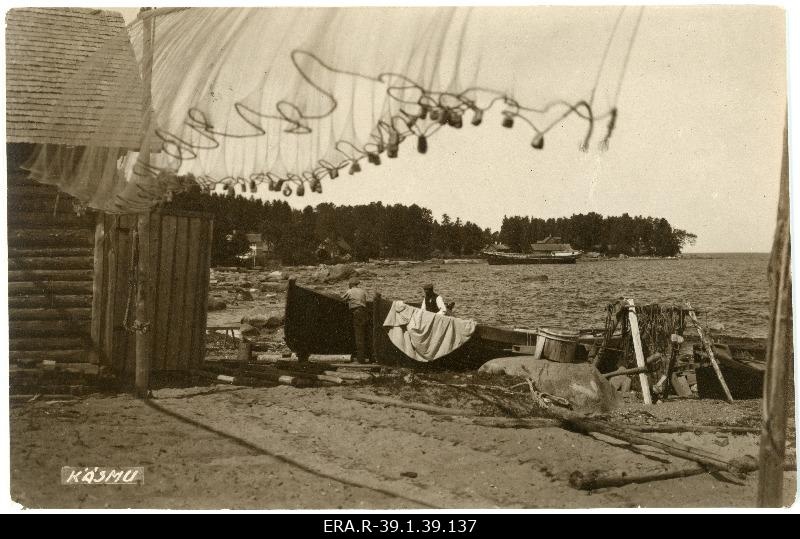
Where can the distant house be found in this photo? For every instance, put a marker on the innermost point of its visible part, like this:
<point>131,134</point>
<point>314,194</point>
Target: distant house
<point>550,244</point>
<point>331,249</point>
<point>501,247</point>
<point>261,252</point>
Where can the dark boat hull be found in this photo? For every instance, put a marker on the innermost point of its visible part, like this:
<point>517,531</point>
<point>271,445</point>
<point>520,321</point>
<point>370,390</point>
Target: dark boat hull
<point>320,323</point>
<point>742,363</point>
<point>500,259</point>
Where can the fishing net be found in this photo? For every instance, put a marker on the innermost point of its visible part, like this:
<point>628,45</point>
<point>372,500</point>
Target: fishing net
<point>254,100</point>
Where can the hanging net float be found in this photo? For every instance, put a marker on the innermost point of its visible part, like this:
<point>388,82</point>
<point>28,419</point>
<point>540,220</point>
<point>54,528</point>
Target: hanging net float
<point>301,190</point>
<point>309,92</point>
<point>393,145</point>
<point>287,190</point>
<point>454,119</point>
<point>422,144</point>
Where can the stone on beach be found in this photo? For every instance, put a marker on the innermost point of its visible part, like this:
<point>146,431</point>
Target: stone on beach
<point>273,286</point>
<point>535,278</point>
<point>244,294</point>
<point>333,274</point>
<point>248,331</point>
<point>216,304</point>
<point>276,276</point>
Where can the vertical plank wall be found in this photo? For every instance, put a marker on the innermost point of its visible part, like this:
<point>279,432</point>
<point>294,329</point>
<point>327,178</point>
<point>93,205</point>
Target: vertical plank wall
<point>180,251</point>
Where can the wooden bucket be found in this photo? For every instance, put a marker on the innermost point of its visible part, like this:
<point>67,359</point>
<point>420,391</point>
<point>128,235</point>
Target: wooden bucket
<point>560,345</point>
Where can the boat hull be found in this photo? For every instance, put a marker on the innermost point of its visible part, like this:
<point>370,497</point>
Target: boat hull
<point>503,259</point>
<point>320,323</point>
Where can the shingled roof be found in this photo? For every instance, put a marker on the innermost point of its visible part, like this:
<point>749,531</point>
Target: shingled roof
<point>71,78</point>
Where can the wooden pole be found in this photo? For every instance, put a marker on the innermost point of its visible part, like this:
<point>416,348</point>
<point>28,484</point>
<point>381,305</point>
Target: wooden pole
<point>644,380</point>
<point>710,351</point>
<point>144,295</point>
<point>377,326</point>
<point>779,353</point>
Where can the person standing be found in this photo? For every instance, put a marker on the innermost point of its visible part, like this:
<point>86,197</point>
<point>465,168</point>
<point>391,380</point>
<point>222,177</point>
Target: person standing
<point>357,303</point>
<point>433,302</point>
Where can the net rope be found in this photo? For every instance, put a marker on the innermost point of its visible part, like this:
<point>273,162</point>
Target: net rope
<point>287,99</point>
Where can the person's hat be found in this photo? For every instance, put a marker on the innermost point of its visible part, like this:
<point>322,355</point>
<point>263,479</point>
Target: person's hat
<point>354,282</point>
<point>428,286</point>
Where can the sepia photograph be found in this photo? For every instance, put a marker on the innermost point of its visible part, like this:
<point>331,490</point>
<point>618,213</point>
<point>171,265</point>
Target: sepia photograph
<point>372,258</point>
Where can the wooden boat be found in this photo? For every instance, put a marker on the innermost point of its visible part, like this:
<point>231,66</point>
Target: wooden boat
<point>318,322</point>
<point>562,257</point>
<point>742,363</point>
<point>547,251</point>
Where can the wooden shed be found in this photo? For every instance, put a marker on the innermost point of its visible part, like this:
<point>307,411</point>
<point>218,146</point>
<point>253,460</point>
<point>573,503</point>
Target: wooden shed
<point>73,81</point>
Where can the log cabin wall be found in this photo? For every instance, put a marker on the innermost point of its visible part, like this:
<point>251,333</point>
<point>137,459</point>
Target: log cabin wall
<point>50,267</point>
<point>180,260</point>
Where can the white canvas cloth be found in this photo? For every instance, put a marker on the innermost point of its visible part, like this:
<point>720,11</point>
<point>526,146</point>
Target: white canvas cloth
<point>425,336</point>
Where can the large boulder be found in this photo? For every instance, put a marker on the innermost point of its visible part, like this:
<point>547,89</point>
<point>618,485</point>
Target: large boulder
<point>255,319</point>
<point>275,276</point>
<point>535,278</point>
<point>248,331</point>
<point>333,274</point>
<point>580,383</point>
<point>216,304</point>
<point>271,286</point>
<point>243,294</point>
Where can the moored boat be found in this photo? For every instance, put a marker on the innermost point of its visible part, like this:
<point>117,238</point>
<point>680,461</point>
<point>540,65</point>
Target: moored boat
<point>498,258</point>
<point>547,251</point>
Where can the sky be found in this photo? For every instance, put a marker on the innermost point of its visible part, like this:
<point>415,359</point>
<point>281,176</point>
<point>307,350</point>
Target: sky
<point>698,139</point>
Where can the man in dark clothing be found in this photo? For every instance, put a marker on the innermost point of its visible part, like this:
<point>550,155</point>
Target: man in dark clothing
<point>434,303</point>
<point>357,303</point>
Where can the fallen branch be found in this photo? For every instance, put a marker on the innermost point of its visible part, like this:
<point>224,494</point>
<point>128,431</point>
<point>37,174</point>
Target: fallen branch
<point>516,422</point>
<point>597,479</point>
<point>694,428</point>
<point>706,458</point>
<point>412,405</point>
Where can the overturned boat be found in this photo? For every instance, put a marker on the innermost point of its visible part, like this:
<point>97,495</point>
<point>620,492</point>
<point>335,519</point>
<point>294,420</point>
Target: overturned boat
<point>318,322</point>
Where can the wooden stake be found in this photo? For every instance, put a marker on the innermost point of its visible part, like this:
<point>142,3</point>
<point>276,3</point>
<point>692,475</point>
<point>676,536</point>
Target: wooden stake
<point>377,326</point>
<point>644,380</point>
<point>144,292</point>
<point>710,351</point>
<point>779,353</point>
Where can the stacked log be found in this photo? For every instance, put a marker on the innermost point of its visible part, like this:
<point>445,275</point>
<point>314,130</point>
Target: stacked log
<point>50,262</point>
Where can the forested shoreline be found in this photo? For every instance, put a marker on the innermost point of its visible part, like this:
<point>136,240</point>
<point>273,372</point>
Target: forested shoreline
<point>378,230</point>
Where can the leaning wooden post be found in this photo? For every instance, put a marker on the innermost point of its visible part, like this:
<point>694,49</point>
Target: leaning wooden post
<point>144,294</point>
<point>644,380</point>
<point>772,451</point>
<point>377,324</point>
<point>710,351</point>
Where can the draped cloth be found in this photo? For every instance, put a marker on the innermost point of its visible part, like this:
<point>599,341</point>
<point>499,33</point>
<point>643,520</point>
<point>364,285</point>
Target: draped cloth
<point>425,336</point>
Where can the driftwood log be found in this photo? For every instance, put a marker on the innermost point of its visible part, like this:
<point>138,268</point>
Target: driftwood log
<point>516,422</point>
<point>579,423</point>
<point>597,479</point>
